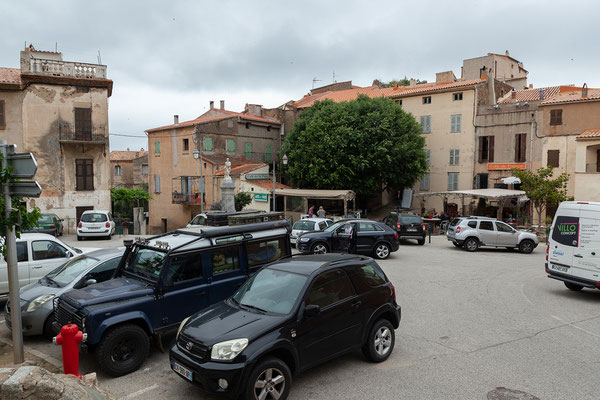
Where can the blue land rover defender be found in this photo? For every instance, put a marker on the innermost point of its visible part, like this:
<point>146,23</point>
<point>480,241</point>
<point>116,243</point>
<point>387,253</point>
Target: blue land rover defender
<point>162,280</point>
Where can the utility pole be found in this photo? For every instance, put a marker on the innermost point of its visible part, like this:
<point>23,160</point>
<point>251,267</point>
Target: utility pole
<point>274,184</point>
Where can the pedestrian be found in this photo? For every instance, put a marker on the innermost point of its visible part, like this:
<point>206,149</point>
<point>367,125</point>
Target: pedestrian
<point>509,219</point>
<point>321,212</point>
<point>311,212</point>
<point>349,230</point>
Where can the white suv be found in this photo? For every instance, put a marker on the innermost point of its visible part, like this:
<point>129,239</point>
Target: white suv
<point>308,225</point>
<point>96,223</point>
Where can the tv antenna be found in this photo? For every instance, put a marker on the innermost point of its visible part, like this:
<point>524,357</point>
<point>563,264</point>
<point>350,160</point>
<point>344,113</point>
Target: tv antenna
<point>315,80</point>
<point>334,81</point>
<point>99,58</point>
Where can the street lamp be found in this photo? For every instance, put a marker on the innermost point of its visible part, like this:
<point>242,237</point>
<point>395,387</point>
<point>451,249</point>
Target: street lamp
<point>198,155</point>
<point>284,159</point>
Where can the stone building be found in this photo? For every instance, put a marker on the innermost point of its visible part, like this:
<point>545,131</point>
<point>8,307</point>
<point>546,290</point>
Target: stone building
<point>58,110</point>
<point>129,168</point>
<point>501,67</point>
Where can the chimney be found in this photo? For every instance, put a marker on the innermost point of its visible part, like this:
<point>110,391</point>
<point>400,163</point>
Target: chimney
<point>255,109</point>
<point>128,149</point>
<point>513,95</point>
<point>506,53</point>
<point>212,104</point>
<point>413,82</point>
<point>491,86</point>
<point>584,91</point>
<point>175,119</point>
<point>222,104</point>
<point>531,86</point>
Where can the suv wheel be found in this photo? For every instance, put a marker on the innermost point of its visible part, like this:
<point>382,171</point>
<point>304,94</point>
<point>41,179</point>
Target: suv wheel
<point>123,349</point>
<point>270,379</point>
<point>421,241</point>
<point>48,330</point>
<point>319,248</point>
<point>380,342</point>
<point>526,246</point>
<point>573,286</point>
<point>382,251</point>
<point>457,244</point>
<point>471,244</point>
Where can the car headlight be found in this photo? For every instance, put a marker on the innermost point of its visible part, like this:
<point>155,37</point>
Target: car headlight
<point>181,327</point>
<point>40,301</point>
<point>228,350</point>
<point>304,239</point>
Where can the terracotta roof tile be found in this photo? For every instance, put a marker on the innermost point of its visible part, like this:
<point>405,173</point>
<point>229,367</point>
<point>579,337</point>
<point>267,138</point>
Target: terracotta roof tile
<point>241,169</point>
<point>433,87</point>
<point>572,96</point>
<point>589,134</point>
<point>267,184</point>
<point>344,95</point>
<point>202,120</point>
<point>126,155</point>
<point>220,159</point>
<point>530,94</point>
<point>10,75</point>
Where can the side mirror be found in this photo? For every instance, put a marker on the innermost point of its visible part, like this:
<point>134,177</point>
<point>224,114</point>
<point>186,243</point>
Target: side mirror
<point>312,310</point>
<point>69,254</point>
<point>61,219</point>
<point>90,282</point>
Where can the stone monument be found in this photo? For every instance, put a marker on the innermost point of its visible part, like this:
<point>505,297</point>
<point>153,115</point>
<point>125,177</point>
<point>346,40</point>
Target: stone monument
<point>227,190</point>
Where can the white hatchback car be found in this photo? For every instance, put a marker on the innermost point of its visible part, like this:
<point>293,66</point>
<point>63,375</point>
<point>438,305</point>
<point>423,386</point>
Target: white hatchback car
<point>308,225</point>
<point>37,254</point>
<point>97,223</point>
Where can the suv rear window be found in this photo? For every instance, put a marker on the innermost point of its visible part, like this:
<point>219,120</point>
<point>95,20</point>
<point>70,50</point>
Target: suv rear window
<point>410,219</point>
<point>455,221</point>
<point>94,217</point>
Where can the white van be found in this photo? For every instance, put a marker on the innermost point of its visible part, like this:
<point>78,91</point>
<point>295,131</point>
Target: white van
<point>573,253</point>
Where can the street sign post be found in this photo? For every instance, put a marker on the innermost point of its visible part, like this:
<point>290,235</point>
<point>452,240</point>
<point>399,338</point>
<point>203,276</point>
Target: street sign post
<point>23,166</point>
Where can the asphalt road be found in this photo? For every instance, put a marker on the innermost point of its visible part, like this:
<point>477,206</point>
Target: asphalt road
<point>471,323</point>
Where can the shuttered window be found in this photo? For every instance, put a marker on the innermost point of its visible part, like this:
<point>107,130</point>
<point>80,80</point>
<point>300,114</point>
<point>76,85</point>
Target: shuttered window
<point>156,183</point>
<point>424,182</point>
<point>555,117</point>
<point>248,150</point>
<point>520,147</point>
<point>83,123</point>
<point>157,147</point>
<point>269,154</point>
<point>452,180</point>
<point>426,123</point>
<point>428,152</point>
<point>2,115</point>
<point>455,122</point>
<point>454,156</point>
<point>485,150</point>
<point>553,158</point>
<point>230,145</point>
<point>208,144</point>
<point>84,174</point>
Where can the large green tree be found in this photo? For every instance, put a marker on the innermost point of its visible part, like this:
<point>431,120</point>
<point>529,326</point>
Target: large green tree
<point>362,145</point>
<point>542,190</point>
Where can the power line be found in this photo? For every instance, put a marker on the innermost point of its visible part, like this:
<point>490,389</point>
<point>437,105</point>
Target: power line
<point>124,135</point>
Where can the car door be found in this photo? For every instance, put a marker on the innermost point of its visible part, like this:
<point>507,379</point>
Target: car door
<point>185,287</point>
<point>366,237</point>
<point>336,328</point>
<point>506,236</point>
<point>564,240</point>
<point>45,256</point>
<point>487,233</point>
<point>226,272</point>
<point>586,257</point>
<point>340,240</point>
<point>22,267</point>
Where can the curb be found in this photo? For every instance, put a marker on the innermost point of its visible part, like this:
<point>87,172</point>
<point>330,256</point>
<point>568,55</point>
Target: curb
<point>48,358</point>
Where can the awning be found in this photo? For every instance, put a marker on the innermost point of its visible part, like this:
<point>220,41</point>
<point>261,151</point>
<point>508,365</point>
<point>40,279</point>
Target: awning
<point>317,193</point>
<point>485,193</point>
<point>511,180</point>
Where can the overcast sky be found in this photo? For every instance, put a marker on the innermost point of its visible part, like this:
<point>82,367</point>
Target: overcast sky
<point>173,57</point>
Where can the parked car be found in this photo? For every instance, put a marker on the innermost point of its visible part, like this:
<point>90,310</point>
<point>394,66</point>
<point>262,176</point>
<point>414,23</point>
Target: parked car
<point>162,280</point>
<point>474,232</point>
<point>308,225</point>
<point>573,252</point>
<point>372,237</point>
<point>292,315</point>
<point>36,298</point>
<point>48,223</point>
<point>97,223</point>
<point>408,226</point>
<point>37,254</point>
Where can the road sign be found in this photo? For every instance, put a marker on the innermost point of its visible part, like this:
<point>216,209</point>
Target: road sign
<point>257,176</point>
<point>25,189</point>
<point>261,197</point>
<point>23,164</point>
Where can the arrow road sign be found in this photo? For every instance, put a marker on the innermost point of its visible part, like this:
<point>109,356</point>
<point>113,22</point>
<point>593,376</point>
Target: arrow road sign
<point>23,164</point>
<point>25,189</point>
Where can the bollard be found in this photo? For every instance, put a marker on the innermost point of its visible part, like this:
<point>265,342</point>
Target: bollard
<point>429,229</point>
<point>69,338</point>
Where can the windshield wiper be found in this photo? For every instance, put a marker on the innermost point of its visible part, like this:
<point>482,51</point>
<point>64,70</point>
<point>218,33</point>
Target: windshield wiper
<point>253,307</point>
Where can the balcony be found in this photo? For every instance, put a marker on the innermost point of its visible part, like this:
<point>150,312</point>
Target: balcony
<point>65,68</point>
<point>188,190</point>
<point>81,138</point>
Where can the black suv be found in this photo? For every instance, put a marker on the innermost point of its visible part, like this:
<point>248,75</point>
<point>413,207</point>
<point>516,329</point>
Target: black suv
<point>291,315</point>
<point>408,226</point>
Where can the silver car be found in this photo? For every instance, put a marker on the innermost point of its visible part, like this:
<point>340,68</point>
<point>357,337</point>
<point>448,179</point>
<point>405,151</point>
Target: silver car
<point>474,232</point>
<point>308,225</point>
<point>36,298</point>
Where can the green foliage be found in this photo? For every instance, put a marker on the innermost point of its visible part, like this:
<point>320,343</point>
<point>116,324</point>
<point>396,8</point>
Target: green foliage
<point>125,199</point>
<point>541,189</point>
<point>401,82</point>
<point>358,145</point>
<point>241,200</point>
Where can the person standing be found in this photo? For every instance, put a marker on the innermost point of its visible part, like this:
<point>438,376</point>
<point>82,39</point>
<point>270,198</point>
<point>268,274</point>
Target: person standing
<point>311,212</point>
<point>350,230</point>
<point>321,212</point>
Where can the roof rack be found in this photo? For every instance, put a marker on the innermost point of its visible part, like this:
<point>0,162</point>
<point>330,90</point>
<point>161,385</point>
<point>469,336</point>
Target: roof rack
<point>227,230</point>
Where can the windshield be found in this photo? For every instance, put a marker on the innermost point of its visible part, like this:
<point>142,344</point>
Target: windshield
<point>94,217</point>
<point>334,226</point>
<point>45,219</point>
<point>271,290</point>
<point>410,219</point>
<point>198,220</point>
<point>67,272</point>
<point>146,263</point>
<point>304,226</point>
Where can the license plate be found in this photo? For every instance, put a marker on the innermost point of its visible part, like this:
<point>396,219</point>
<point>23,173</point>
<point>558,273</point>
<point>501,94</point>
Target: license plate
<point>93,227</point>
<point>186,373</point>
<point>559,268</point>
<point>411,229</point>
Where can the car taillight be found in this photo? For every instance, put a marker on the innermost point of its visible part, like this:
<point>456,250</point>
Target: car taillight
<point>424,227</point>
<point>396,235</point>
<point>399,225</point>
<point>394,292</point>
<point>80,225</point>
<point>547,251</point>
<point>52,226</point>
<point>458,229</point>
<point>107,224</point>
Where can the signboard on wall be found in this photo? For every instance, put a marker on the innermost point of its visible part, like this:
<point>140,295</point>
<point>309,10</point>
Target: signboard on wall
<point>261,197</point>
<point>509,166</point>
<point>257,176</point>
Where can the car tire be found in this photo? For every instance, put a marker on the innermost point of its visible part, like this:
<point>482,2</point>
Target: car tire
<point>380,342</point>
<point>128,343</point>
<point>319,248</point>
<point>381,251</point>
<point>48,330</point>
<point>79,238</point>
<point>457,244</point>
<point>471,244</point>
<point>421,241</point>
<point>270,379</point>
<point>526,246</point>
<point>573,286</point>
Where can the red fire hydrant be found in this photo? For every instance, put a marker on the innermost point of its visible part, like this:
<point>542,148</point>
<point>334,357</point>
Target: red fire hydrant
<point>69,338</point>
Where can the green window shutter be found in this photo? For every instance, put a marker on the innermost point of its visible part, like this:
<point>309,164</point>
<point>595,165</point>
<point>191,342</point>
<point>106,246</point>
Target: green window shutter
<point>230,145</point>
<point>208,144</point>
<point>157,147</point>
<point>248,150</point>
<point>269,155</point>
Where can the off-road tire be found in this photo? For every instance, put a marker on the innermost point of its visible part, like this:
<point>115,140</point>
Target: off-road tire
<point>380,351</point>
<point>278,369</point>
<point>573,286</point>
<point>131,337</point>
